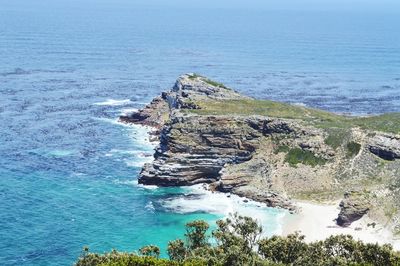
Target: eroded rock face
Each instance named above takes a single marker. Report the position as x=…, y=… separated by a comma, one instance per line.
x=194, y=149
x=353, y=207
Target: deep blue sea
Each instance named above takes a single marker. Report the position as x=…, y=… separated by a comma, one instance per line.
x=68, y=69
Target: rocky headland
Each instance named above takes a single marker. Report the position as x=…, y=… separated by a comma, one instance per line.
x=273, y=152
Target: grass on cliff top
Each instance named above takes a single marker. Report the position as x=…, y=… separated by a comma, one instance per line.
x=208, y=81
x=387, y=122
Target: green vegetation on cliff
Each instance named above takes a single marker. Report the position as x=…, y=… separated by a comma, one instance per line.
x=319, y=118
x=336, y=136
x=238, y=241
x=297, y=155
x=353, y=148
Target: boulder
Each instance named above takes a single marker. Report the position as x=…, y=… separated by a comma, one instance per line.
x=353, y=207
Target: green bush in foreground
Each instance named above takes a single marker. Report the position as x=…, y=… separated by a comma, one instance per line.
x=237, y=241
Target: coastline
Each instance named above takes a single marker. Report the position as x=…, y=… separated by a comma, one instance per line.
x=316, y=222
x=196, y=148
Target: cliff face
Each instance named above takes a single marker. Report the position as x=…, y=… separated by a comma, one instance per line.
x=270, y=151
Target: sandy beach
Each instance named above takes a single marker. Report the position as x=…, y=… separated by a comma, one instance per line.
x=317, y=222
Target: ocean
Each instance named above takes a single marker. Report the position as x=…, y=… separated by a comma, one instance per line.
x=68, y=69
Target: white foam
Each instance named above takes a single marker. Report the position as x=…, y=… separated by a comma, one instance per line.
x=135, y=162
x=113, y=121
x=62, y=153
x=112, y=102
x=134, y=183
x=125, y=182
x=138, y=133
x=300, y=104
x=221, y=204
x=135, y=158
x=78, y=174
x=148, y=187
x=139, y=157
x=127, y=111
x=149, y=206
x=137, y=153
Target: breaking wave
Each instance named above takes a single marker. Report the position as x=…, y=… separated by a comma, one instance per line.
x=112, y=102
x=199, y=200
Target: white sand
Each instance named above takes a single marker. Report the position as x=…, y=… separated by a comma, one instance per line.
x=316, y=222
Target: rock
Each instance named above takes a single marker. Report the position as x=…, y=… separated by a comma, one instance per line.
x=194, y=149
x=353, y=207
x=154, y=114
x=373, y=224
x=386, y=146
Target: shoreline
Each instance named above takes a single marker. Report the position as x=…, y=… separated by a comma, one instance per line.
x=317, y=222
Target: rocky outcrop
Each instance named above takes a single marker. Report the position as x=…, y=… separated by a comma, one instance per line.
x=268, y=158
x=194, y=149
x=187, y=90
x=385, y=146
x=352, y=208
x=154, y=114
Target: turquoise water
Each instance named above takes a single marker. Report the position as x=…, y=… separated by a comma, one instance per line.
x=68, y=68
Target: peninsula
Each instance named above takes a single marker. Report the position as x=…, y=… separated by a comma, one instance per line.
x=273, y=152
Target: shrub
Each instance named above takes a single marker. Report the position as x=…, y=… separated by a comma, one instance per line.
x=115, y=258
x=150, y=250
x=353, y=148
x=287, y=250
x=336, y=137
x=297, y=155
x=281, y=148
x=196, y=234
x=176, y=250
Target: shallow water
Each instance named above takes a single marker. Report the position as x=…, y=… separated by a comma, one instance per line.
x=68, y=170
